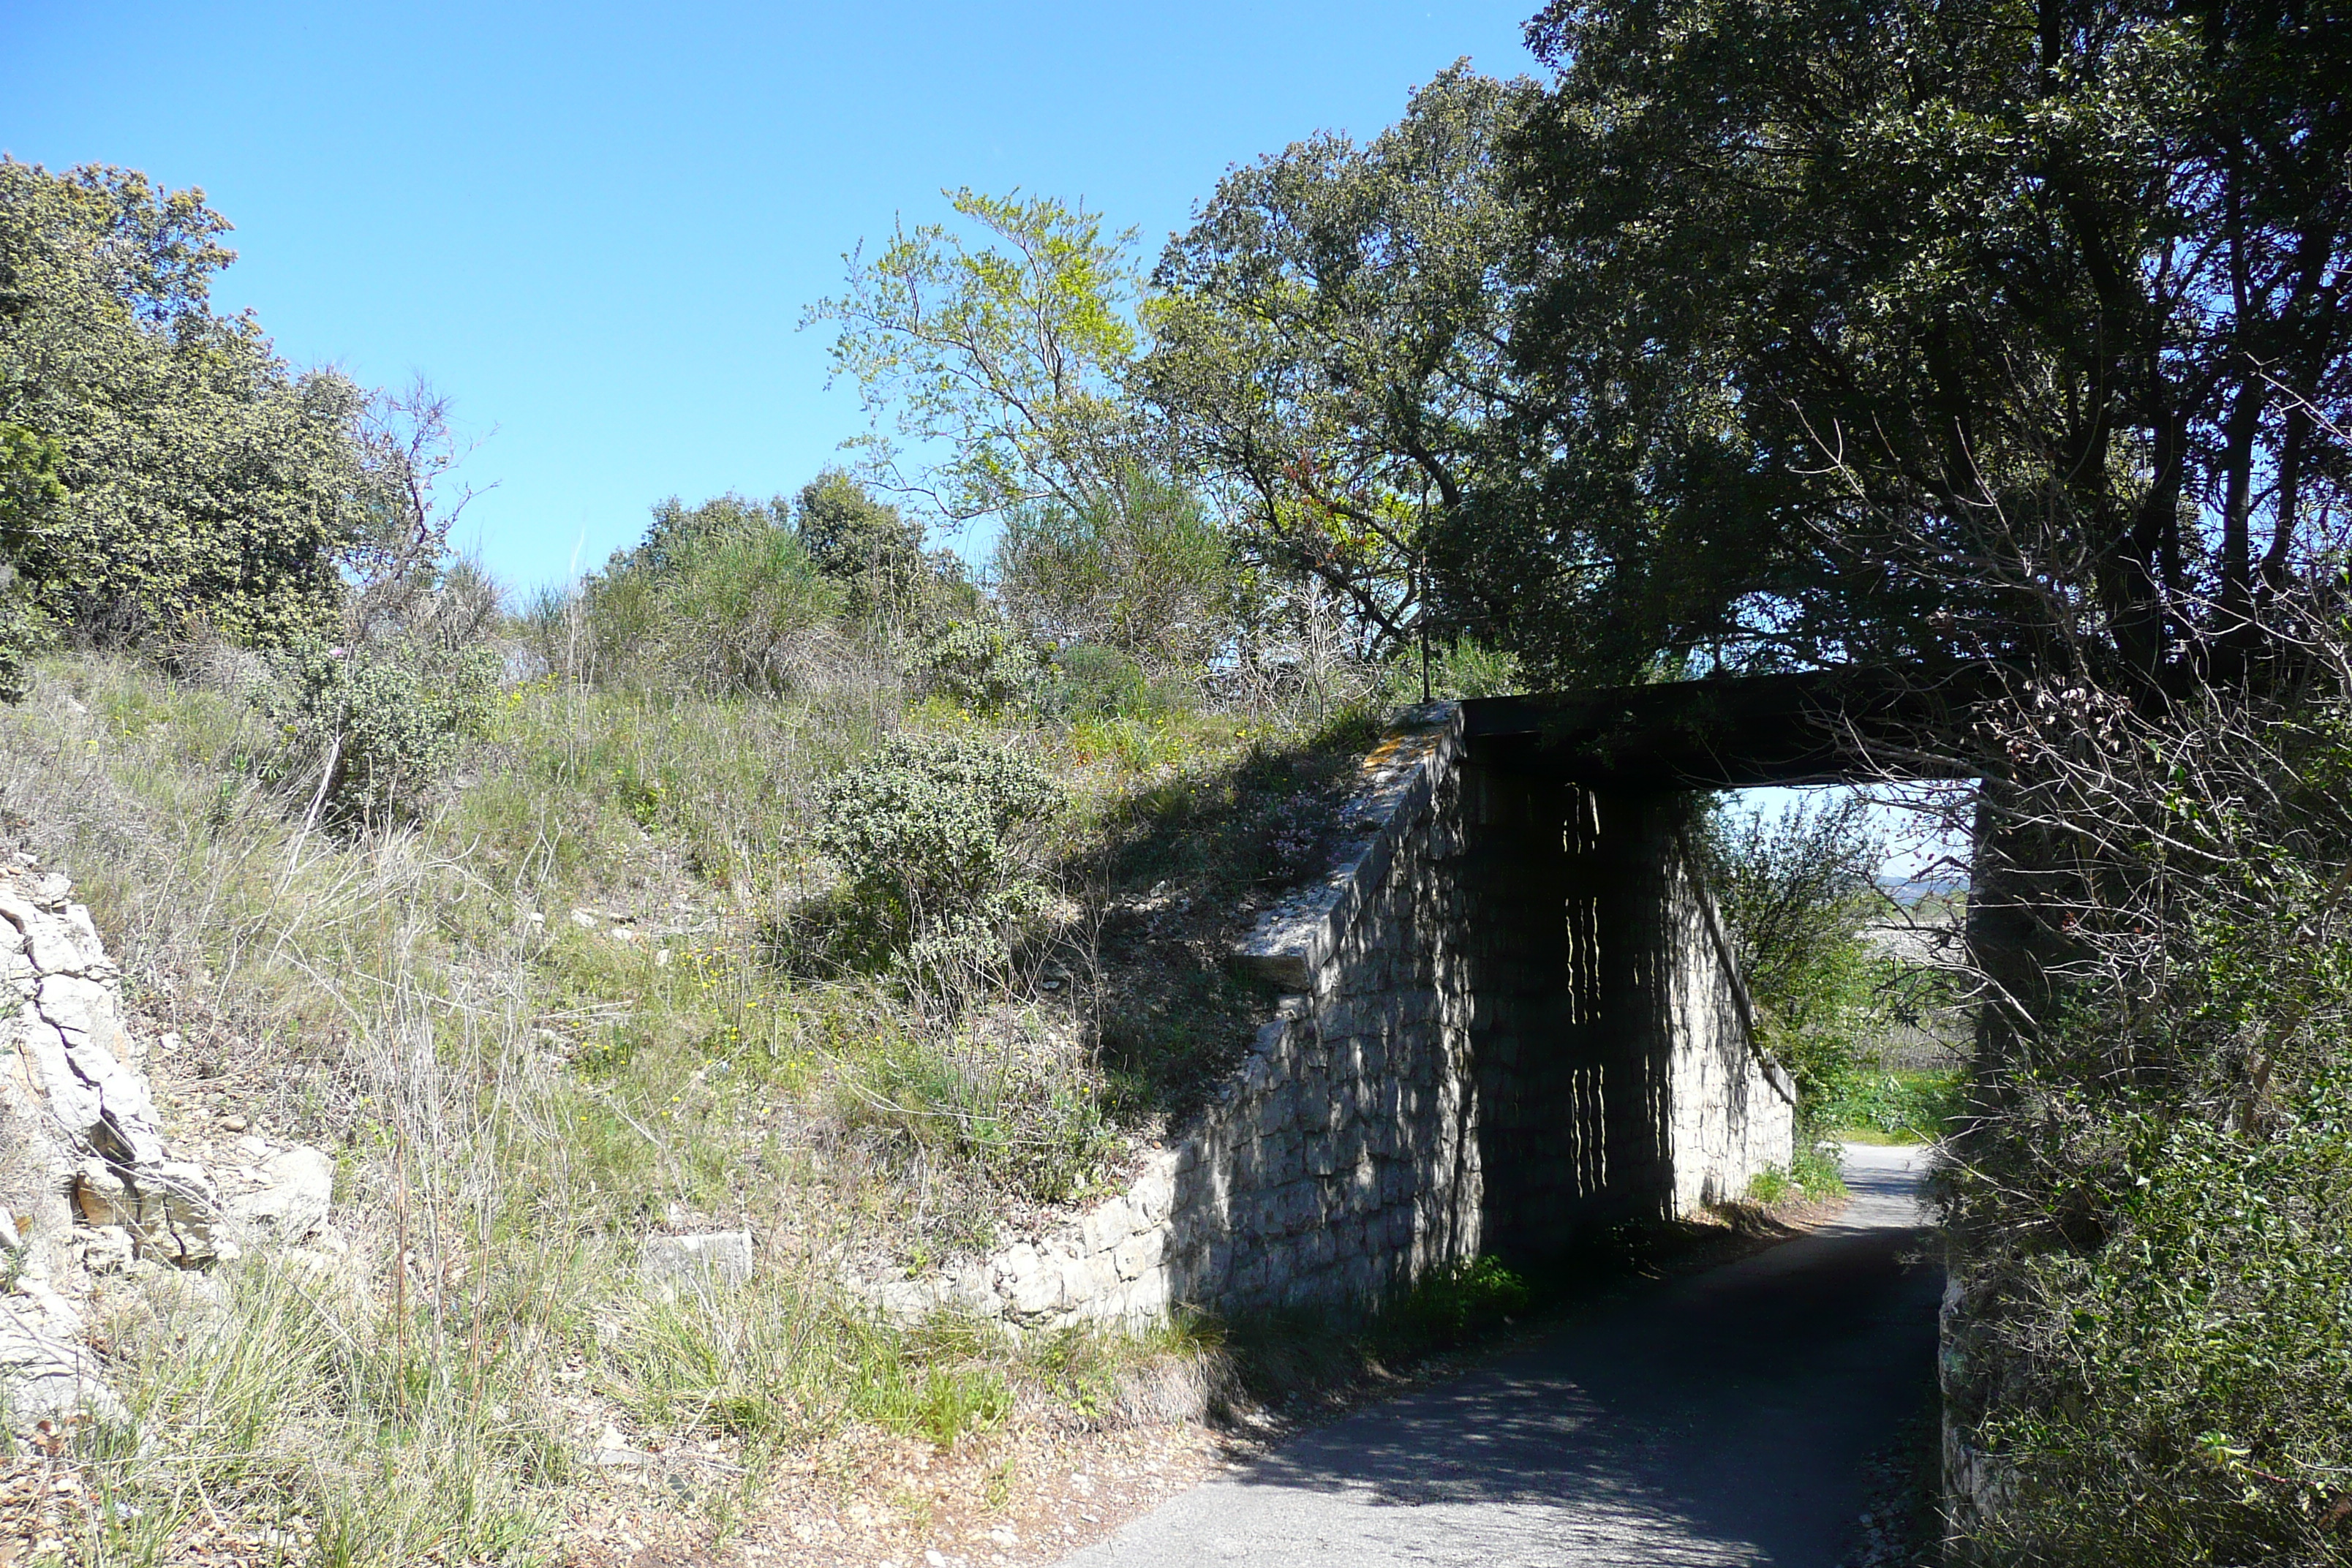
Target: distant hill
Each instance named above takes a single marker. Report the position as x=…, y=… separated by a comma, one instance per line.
x=1910, y=890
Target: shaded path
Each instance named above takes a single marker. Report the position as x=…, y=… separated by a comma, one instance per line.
x=1720, y=1418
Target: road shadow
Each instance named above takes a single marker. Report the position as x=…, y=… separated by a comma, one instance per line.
x=1723, y=1417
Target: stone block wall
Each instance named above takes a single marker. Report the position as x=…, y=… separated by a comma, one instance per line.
x=1735, y=1113
x=1508, y=1016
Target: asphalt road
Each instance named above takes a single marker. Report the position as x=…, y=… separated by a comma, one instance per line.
x=1723, y=1417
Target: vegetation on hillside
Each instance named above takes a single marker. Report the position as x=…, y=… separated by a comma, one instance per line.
x=877, y=973
x=785, y=865
x=775, y=874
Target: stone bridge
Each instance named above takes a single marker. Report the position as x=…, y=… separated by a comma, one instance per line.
x=1509, y=1014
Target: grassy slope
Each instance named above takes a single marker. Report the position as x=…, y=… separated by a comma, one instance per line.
x=518, y=1096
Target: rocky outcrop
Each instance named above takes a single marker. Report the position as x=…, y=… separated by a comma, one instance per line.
x=88, y=1183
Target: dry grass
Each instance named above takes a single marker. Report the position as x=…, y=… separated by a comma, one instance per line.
x=548, y=1020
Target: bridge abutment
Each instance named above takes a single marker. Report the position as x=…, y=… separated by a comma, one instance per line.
x=1509, y=1017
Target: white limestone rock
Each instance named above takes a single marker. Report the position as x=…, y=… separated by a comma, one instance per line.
x=177, y=1209
x=48, y=1376
x=90, y=1187
x=672, y=1263
x=290, y=1205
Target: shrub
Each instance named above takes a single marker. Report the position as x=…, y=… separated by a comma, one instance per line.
x=720, y=597
x=2200, y=1362
x=368, y=729
x=1462, y=668
x=1144, y=570
x=2151, y=1334
x=1893, y=1104
x=1096, y=682
x=977, y=665
x=1470, y=669
x=930, y=835
x=1812, y=1173
x=870, y=549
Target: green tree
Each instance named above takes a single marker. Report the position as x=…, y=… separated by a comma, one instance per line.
x=1928, y=327
x=205, y=481
x=1146, y=572
x=1331, y=341
x=874, y=551
x=1798, y=889
x=1009, y=352
x=29, y=492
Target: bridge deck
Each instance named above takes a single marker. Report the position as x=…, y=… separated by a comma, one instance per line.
x=1732, y=732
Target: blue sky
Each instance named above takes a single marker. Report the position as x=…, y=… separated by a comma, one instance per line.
x=597, y=227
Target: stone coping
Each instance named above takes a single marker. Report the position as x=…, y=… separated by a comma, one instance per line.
x=1292, y=940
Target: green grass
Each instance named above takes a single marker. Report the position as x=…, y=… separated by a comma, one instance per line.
x=1812, y=1175
x=1891, y=1106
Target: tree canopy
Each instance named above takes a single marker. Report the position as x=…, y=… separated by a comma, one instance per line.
x=200, y=477
x=1331, y=341
x=1008, y=350
x=1916, y=328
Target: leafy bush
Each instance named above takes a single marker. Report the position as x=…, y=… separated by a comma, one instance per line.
x=1459, y=668
x=1143, y=569
x=1812, y=1173
x=1095, y=681
x=1468, y=668
x=1797, y=891
x=978, y=665
x=932, y=835
x=24, y=632
x=2200, y=1361
x=873, y=553
x=368, y=729
x=2152, y=1337
x=1893, y=1104
x=720, y=598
